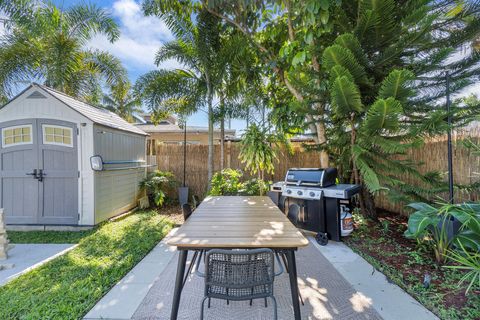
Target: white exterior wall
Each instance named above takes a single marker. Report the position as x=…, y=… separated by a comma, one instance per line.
x=51, y=108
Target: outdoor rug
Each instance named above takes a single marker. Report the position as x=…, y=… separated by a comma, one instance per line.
x=327, y=295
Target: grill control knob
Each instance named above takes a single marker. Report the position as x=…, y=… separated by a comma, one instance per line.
x=289, y=191
x=299, y=192
x=312, y=194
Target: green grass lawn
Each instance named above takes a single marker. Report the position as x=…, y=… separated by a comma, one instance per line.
x=48, y=236
x=70, y=285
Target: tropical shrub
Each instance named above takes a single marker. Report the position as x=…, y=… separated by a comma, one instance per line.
x=259, y=150
x=226, y=183
x=160, y=187
x=229, y=182
x=255, y=187
x=467, y=254
x=434, y=226
x=468, y=261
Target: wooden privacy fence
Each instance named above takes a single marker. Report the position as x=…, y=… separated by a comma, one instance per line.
x=433, y=157
x=170, y=158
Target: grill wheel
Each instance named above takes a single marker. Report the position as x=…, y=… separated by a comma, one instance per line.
x=321, y=238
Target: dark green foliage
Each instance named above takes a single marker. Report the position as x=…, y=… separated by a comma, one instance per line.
x=431, y=225
x=229, y=182
x=226, y=183
x=70, y=285
x=385, y=75
x=255, y=187
x=160, y=186
x=259, y=150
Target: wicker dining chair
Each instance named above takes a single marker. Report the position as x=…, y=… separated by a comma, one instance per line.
x=239, y=275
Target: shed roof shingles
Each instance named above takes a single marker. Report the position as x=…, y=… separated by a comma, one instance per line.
x=99, y=116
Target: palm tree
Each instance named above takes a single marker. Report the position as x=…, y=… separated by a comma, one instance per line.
x=47, y=44
x=122, y=100
x=197, y=48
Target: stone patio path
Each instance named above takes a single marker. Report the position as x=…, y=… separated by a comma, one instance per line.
x=335, y=283
x=25, y=257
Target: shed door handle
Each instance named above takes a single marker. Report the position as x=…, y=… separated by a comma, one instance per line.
x=41, y=175
x=34, y=174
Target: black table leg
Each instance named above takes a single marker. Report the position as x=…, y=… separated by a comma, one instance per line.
x=182, y=261
x=292, y=267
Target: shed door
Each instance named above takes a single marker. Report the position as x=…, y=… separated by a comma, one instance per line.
x=19, y=194
x=59, y=162
x=50, y=148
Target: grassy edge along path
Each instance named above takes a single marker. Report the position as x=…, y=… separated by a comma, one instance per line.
x=49, y=236
x=70, y=285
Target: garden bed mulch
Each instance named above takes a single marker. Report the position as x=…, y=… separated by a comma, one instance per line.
x=407, y=264
x=173, y=212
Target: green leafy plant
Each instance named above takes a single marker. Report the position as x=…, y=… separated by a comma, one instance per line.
x=259, y=150
x=159, y=186
x=226, y=182
x=467, y=254
x=255, y=187
x=468, y=261
x=229, y=182
x=385, y=226
x=435, y=227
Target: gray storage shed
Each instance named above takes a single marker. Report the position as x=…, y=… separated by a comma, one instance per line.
x=47, y=141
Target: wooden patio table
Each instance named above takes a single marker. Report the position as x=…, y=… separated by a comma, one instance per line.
x=246, y=222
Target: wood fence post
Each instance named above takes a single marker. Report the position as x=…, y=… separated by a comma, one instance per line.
x=229, y=154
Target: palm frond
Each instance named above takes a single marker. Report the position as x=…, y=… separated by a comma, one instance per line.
x=86, y=20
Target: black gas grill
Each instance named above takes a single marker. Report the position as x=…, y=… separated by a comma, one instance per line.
x=312, y=200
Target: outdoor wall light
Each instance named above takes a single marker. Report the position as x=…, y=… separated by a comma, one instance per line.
x=96, y=163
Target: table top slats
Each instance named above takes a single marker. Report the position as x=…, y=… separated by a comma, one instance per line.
x=237, y=222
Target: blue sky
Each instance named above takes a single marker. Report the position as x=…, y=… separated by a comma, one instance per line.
x=140, y=39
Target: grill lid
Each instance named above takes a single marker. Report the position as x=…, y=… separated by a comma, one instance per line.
x=314, y=177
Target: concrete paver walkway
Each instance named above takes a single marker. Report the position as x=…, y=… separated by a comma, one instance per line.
x=335, y=283
x=28, y=256
x=123, y=299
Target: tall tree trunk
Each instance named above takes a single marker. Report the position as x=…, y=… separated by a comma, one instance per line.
x=366, y=200
x=319, y=135
x=210, y=132
x=222, y=134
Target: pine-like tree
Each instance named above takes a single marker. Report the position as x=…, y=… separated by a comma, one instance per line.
x=386, y=74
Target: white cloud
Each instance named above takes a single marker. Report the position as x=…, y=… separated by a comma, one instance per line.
x=140, y=38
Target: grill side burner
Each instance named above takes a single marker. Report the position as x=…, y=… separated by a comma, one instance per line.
x=315, y=191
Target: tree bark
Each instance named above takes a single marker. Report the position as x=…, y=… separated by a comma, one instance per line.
x=210, y=130
x=366, y=200
x=222, y=135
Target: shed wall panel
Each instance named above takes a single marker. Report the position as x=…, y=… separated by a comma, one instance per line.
x=117, y=191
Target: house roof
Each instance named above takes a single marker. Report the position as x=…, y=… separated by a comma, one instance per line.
x=96, y=115
x=165, y=128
